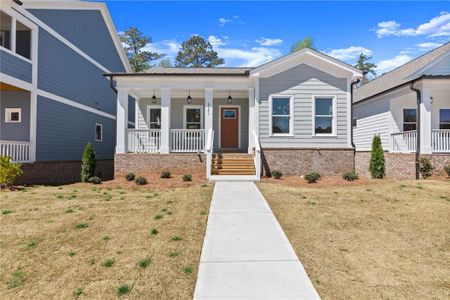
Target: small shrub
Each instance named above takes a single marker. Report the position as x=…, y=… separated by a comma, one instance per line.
x=87, y=163
x=276, y=174
x=157, y=217
x=9, y=171
x=108, y=263
x=141, y=180
x=77, y=293
x=144, y=263
x=377, y=164
x=71, y=253
x=312, y=177
x=350, y=176
x=165, y=174
x=187, y=177
x=187, y=270
x=447, y=169
x=130, y=176
x=106, y=238
x=82, y=225
x=425, y=167
x=123, y=289
x=95, y=180
x=154, y=231
x=6, y=212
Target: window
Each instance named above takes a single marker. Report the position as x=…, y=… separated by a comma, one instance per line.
x=21, y=36
x=444, y=118
x=409, y=119
x=154, y=117
x=13, y=115
x=23, y=40
x=5, y=30
x=98, y=132
x=281, y=115
x=193, y=117
x=324, y=116
x=229, y=114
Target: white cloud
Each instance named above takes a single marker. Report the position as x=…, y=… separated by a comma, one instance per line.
x=428, y=46
x=224, y=21
x=390, y=64
x=350, y=53
x=169, y=47
x=215, y=41
x=269, y=42
x=437, y=26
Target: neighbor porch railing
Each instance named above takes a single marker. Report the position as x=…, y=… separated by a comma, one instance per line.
x=404, y=142
x=144, y=141
x=187, y=140
x=18, y=151
x=440, y=140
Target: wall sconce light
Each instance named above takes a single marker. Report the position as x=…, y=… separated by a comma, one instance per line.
x=229, y=99
x=189, y=98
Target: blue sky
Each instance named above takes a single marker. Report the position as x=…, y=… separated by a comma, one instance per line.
x=252, y=33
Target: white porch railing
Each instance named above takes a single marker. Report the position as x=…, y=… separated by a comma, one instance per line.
x=144, y=141
x=187, y=140
x=18, y=151
x=257, y=155
x=404, y=141
x=209, y=152
x=440, y=140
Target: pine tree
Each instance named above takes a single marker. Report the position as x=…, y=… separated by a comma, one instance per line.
x=377, y=164
x=87, y=163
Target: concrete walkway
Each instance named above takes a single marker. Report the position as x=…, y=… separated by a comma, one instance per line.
x=246, y=254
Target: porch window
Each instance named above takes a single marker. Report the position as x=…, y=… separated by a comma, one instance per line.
x=23, y=40
x=444, y=118
x=409, y=119
x=154, y=117
x=5, y=30
x=281, y=115
x=324, y=116
x=193, y=117
x=98, y=132
x=13, y=115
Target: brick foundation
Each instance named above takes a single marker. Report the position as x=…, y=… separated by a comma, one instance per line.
x=62, y=172
x=302, y=161
x=399, y=165
x=142, y=163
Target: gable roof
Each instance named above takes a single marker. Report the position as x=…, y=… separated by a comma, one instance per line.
x=400, y=75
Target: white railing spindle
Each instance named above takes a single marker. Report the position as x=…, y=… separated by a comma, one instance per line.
x=440, y=140
x=187, y=140
x=18, y=151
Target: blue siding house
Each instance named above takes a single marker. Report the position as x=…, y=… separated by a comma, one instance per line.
x=53, y=97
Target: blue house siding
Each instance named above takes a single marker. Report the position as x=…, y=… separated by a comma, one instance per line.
x=87, y=30
x=65, y=73
x=63, y=131
x=15, y=67
x=15, y=131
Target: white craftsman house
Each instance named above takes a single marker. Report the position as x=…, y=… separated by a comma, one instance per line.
x=293, y=111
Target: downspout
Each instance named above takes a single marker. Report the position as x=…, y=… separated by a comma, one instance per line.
x=418, y=99
x=111, y=84
x=352, y=85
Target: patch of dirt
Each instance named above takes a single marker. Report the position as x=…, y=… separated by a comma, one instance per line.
x=325, y=181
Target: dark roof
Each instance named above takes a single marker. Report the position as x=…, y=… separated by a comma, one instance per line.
x=398, y=76
x=188, y=72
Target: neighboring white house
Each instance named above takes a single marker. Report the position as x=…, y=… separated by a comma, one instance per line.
x=388, y=106
x=294, y=111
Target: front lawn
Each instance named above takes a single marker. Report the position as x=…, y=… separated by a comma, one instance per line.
x=93, y=242
x=381, y=240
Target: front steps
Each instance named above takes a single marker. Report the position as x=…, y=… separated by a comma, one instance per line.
x=233, y=164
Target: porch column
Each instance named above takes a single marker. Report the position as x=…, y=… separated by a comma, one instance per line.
x=165, y=120
x=122, y=120
x=209, y=94
x=251, y=119
x=13, y=33
x=425, y=123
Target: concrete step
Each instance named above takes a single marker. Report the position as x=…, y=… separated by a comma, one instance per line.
x=234, y=167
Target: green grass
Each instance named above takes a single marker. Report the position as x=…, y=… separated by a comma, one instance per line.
x=106, y=238
x=71, y=253
x=108, y=263
x=123, y=289
x=144, y=263
x=69, y=211
x=188, y=270
x=82, y=225
x=176, y=238
x=6, y=212
x=157, y=217
x=16, y=279
x=154, y=231
x=32, y=244
x=173, y=254
x=77, y=293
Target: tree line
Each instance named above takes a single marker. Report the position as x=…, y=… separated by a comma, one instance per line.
x=196, y=52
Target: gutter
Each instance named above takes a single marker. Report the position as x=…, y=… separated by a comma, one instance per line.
x=352, y=85
x=418, y=100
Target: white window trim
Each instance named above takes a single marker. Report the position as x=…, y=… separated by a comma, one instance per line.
x=186, y=107
x=149, y=107
x=291, y=115
x=10, y=110
x=101, y=132
x=403, y=119
x=334, y=116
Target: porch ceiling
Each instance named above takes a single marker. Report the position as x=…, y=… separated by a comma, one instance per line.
x=195, y=93
x=8, y=87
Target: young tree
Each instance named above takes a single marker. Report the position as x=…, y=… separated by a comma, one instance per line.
x=87, y=163
x=197, y=53
x=165, y=63
x=365, y=66
x=308, y=42
x=377, y=164
x=135, y=42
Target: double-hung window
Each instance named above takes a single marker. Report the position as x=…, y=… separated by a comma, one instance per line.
x=154, y=117
x=444, y=118
x=281, y=115
x=324, y=115
x=98, y=132
x=193, y=118
x=409, y=119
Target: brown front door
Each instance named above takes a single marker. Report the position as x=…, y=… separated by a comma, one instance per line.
x=229, y=127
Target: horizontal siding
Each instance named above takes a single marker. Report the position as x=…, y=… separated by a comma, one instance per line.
x=15, y=131
x=63, y=131
x=65, y=73
x=15, y=67
x=373, y=118
x=87, y=30
x=303, y=82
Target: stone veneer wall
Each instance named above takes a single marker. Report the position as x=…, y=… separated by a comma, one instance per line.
x=154, y=162
x=302, y=161
x=399, y=165
x=62, y=172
